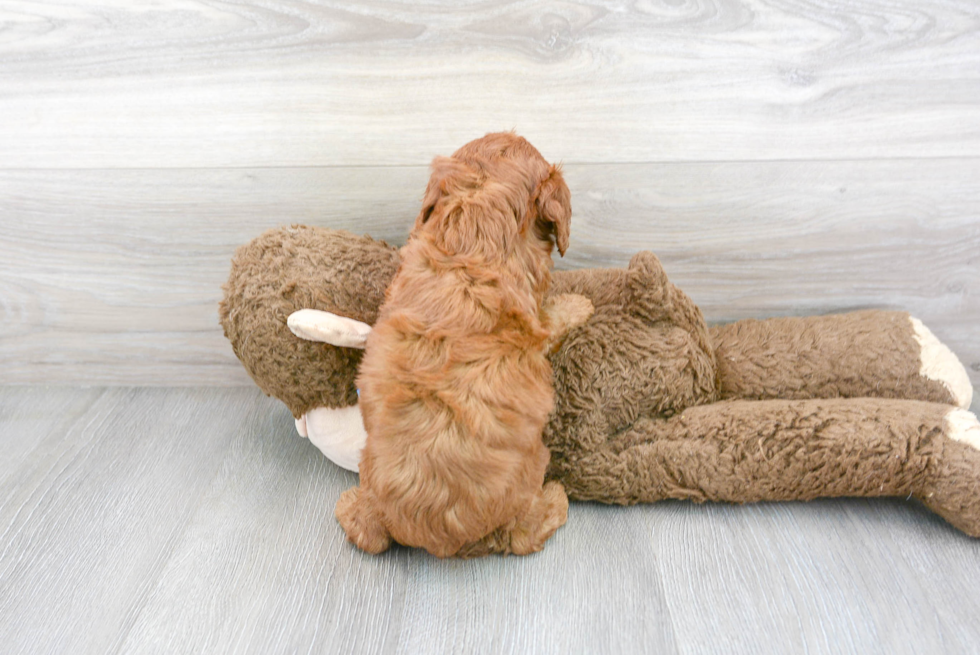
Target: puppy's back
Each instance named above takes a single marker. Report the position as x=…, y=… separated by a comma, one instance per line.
x=455, y=391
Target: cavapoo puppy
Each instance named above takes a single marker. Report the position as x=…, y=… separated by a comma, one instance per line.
x=455, y=381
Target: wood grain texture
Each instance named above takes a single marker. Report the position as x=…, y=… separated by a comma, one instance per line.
x=798, y=238
x=203, y=83
x=195, y=520
x=114, y=276
x=94, y=510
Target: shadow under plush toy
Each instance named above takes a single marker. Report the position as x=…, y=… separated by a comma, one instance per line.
x=650, y=403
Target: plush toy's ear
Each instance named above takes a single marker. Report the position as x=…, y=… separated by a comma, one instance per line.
x=315, y=325
x=445, y=171
x=554, y=204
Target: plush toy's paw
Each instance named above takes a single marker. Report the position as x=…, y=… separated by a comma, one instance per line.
x=316, y=325
x=361, y=522
x=941, y=364
x=961, y=425
x=338, y=433
x=954, y=490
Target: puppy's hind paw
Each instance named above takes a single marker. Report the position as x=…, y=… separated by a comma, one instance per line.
x=556, y=502
x=361, y=522
x=548, y=513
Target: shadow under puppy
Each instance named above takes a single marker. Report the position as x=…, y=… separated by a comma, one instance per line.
x=456, y=387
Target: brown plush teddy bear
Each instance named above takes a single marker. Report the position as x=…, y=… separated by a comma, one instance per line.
x=650, y=402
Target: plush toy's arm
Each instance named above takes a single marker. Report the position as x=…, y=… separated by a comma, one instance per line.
x=747, y=451
x=338, y=433
x=868, y=353
x=316, y=325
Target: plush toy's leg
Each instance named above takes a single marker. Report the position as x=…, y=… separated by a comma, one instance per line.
x=361, y=520
x=868, y=353
x=747, y=451
x=338, y=433
x=528, y=533
x=954, y=493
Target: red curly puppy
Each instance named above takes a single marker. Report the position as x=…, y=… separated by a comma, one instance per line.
x=455, y=382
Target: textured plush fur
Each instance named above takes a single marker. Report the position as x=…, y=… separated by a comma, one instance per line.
x=650, y=403
x=271, y=278
x=455, y=383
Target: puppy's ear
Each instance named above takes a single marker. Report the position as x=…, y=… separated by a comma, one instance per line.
x=554, y=204
x=444, y=170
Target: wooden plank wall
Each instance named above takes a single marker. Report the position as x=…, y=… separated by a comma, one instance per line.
x=781, y=156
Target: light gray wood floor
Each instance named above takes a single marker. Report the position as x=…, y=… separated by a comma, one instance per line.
x=140, y=520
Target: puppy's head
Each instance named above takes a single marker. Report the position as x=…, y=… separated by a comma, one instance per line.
x=493, y=191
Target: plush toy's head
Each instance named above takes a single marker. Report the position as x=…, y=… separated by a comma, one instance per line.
x=271, y=278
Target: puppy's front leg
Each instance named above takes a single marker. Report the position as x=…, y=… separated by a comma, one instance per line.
x=361, y=520
x=564, y=312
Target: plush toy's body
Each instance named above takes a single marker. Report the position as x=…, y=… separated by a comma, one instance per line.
x=649, y=402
